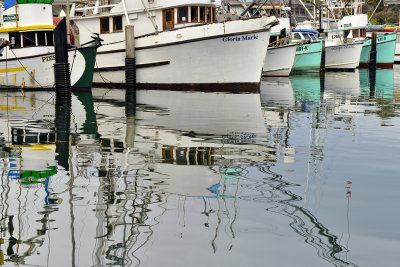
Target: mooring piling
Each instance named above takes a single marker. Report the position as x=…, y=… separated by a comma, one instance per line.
x=63, y=94
x=130, y=70
x=372, y=53
x=62, y=76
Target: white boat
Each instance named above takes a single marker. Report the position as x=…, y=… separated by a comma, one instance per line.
x=397, y=50
x=345, y=56
x=279, y=60
x=28, y=59
x=280, y=54
x=339, y=54
x=177, y=45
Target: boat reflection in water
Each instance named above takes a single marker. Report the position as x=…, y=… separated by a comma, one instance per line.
x=185, y=172
x=291, y=98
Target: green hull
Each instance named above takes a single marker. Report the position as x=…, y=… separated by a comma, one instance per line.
x=385, y=50
x=306, y=91
x=308, y=57
x=382, y=88
x=89, y=53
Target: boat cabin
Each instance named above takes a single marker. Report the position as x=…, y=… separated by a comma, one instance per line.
x=27, y=23
x=147, y=17
x=302, y=35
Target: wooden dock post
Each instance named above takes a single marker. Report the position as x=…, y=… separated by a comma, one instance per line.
x=130, y=70
x=323, y=65
x=62, y=76
x=62, y=80
x=373, y=53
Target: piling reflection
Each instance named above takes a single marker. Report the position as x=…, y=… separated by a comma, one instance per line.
x=114, y=184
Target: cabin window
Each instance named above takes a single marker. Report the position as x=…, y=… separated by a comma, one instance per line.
x=208, y=14
x=202, y=14
x=273, y=40
x=297, y=36
x=182, y=14
x=306, y=36
x=363, y=32
x=15, y=39
x=193, y=14
x=313, y=37
x=168, y=19
x=104, y=25
x=29, y=39
x=214, y=13
x=117, y=24
x=346, y=33
x=181, y=156
x=41, y=37
x=49, y=38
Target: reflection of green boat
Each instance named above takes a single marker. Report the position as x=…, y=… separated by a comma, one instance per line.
x=381, y=88
x=33, y=177
x=308, y=57
x=385, y=50
x=307, y=91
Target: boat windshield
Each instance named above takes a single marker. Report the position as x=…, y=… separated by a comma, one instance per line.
x=306, y=36
x=313, y=37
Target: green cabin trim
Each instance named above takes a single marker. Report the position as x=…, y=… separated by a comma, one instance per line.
x=34, y=1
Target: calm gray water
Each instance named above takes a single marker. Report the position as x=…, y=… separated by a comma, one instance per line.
x=306, y=173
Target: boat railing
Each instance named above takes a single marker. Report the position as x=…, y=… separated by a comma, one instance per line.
x=89, y=8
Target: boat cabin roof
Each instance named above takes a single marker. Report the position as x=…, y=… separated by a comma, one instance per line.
x=306, y=31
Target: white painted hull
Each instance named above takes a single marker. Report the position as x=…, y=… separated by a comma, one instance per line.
x=345, y=56
x=397, y=53
x=34, y=67
x=279, y=61
x=208, y=55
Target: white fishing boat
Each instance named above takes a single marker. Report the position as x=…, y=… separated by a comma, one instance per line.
x=280, y=54
x=345, y=56
x=397, y=51
x=177, y=43
x=28, y=58
x=340, y=53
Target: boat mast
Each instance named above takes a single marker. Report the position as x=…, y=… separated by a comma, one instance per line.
x=308, y=11
x=128, y=22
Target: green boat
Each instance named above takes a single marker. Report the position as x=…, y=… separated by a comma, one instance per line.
x=308, y=57
x=309, y=51
x=385, y=51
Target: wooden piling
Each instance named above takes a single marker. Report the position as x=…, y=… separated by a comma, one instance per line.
x=373, y=53
x=62, y=76
x=130, y=70
x=63, y=94
x=323, y=67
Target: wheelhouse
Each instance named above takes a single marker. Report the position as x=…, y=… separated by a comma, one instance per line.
x=301, y=35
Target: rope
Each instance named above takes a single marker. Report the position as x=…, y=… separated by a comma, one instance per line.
x=302, y=54
x=73, y=61
x=104, y=79
x=25, y=69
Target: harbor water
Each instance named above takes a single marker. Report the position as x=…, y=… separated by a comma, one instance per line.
x=304, y=173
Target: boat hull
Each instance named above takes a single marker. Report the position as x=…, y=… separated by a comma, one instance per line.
x=279, y=61
x=33, y=67
x=308, y=58
x=343, y=57
x=397, y=50
x=385, y=51
x=202, y=57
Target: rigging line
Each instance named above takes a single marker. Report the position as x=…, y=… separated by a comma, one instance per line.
x=106, y=81
x=73, y=61
x=19, y=202
x=26, y=70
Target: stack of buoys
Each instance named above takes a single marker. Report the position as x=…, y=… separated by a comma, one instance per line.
x=382, y=28
x=391, y=28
